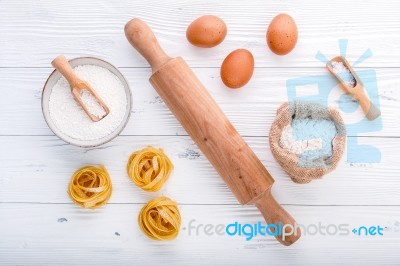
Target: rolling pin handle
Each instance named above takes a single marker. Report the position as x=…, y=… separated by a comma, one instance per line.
x=142, y=38
x=273, y=213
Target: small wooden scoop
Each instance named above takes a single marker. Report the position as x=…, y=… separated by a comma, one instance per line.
x=358, y=91
x=78, y=87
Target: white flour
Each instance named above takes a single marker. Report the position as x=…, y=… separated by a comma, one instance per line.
x=91, y=103
x=309, y=138
x=296, y=146
x=69, y=117
x=344, y=73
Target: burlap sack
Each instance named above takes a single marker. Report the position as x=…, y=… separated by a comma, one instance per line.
x=290, y=161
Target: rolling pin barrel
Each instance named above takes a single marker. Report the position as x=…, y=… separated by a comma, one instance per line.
x=205, y=122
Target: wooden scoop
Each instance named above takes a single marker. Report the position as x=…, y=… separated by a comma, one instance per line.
x=216, y=137
x=78, y=87
x=357, y=92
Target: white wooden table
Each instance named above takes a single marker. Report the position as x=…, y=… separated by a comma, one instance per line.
x=39, y=224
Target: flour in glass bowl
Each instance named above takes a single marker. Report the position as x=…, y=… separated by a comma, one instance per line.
x=69, y=117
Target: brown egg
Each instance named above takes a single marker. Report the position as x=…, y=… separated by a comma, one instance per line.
x=206, y=31
x=282, y=34
x=237, y=68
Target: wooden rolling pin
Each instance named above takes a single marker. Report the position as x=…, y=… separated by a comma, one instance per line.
x=204, y=121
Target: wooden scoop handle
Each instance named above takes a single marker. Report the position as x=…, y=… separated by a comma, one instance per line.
x=274, y=213
x=142, y=38
x=369, y=109
x=62, y=65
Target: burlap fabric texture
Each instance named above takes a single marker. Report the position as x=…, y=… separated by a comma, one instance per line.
x=290, y=162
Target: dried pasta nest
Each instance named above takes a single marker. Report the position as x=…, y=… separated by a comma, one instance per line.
x=160, y=219
x=90, y=187
x=149, y=168
x=298, y=170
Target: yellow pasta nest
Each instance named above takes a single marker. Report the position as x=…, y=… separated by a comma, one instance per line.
x=149, y=168
x=160, y=219
x=90, y=187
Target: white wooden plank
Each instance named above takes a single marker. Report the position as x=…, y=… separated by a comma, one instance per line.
x=251, y=109
x=42, y=234
x=38, y=169
x=35, y=32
